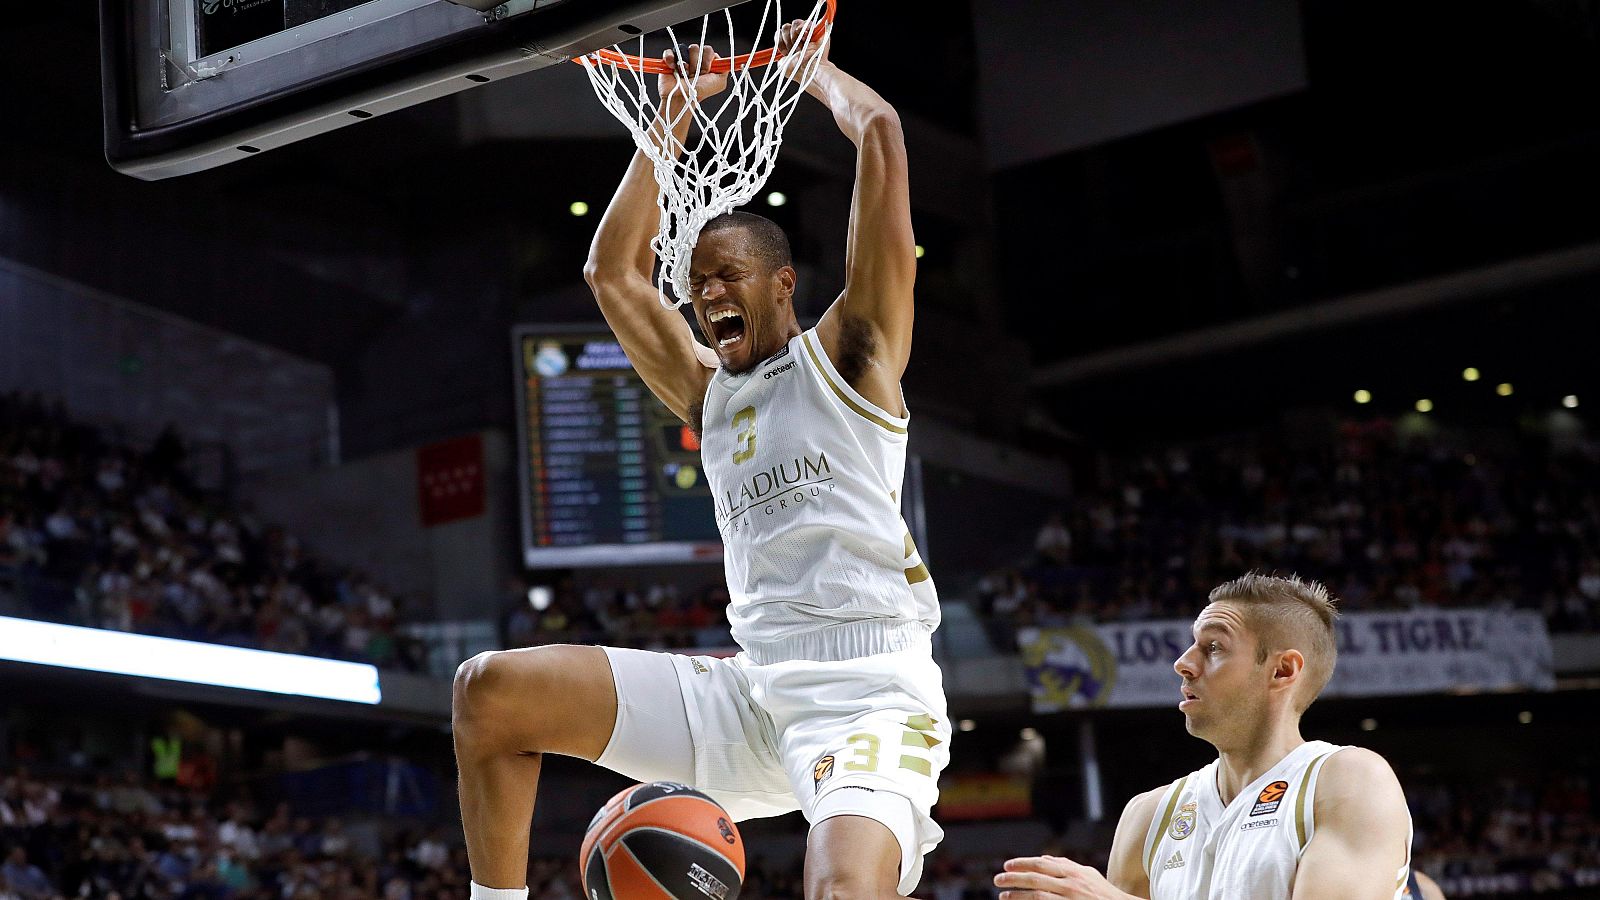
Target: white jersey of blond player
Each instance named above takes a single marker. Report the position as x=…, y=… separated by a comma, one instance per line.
x=1199, y=849
x=806, y=476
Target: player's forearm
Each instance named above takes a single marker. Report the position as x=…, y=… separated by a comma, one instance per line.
x=621, y=244
x=859, y=111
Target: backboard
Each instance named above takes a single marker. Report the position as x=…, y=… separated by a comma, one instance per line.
x=193, y=84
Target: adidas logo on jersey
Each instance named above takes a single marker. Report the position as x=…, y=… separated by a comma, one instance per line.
x=1176, y=862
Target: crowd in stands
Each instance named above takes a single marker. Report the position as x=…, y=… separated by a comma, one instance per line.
x=100, y=534
x=1512, y=834
x=659, y=616
x=87, y=836
x=97, y=533
x=1389, y=520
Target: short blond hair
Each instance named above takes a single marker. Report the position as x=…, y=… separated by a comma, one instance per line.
x=1286, y=612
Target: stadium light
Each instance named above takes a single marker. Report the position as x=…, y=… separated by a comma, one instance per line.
x=777, y=198
x=1503, y=389
x=1424, y=405
x=920, y=251
x=967, y=725
x=1525, y=717
x=579, y=208
x=1363, y=396
x=1470, y=374
x=1570, y=401
x=147, y=656
x=1369, y=724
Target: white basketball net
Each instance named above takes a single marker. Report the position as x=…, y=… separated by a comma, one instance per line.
x=731, y=147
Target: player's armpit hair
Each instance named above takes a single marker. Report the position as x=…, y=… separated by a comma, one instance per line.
x=697, y=415
x=857, y=345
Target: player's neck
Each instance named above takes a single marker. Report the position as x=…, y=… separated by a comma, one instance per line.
x=1240, y=764
x=790, y=332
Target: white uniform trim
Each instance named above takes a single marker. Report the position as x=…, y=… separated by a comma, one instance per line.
x=848, y=395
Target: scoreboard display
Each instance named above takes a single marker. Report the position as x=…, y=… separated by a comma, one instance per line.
x=609, y=476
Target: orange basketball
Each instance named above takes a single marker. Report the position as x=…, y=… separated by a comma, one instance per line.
x=662, y=841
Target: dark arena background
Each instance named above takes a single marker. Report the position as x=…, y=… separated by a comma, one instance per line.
x=1203, y=289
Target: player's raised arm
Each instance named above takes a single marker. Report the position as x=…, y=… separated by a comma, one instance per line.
x=880, y=258
x=657, y=340
x=1359, y=846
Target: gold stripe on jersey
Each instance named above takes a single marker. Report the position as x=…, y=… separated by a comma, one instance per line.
x=859, y=410
x=1300, y=800
x=1166, y=821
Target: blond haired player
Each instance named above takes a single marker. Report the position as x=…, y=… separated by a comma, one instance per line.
x=1275, y=816
x=834, y=706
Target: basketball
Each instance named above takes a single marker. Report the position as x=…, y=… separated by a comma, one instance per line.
x=661, y=840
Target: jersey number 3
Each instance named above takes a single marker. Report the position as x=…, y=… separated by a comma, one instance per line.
x=744, y=428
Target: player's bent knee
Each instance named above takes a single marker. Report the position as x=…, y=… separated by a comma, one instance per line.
x=558, y=699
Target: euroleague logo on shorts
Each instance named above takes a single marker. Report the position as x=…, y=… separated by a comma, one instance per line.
x=1269, y=799
x=821, y=771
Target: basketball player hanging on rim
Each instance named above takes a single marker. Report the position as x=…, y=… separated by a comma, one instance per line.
x=834, y=706
x=1276, y=816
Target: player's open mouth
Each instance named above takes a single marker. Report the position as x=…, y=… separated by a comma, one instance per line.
x=1188, y=698
x=727, y=327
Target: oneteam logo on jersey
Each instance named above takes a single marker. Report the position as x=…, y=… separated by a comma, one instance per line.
x=1253, y=824
x=779, y=370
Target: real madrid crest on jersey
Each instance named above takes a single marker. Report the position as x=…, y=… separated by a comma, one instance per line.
x=1183, y=822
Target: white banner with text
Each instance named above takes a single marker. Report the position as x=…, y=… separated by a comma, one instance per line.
x=1129, y=664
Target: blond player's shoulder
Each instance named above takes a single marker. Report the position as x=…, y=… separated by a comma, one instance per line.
x=1126, y=869
x=1430, y=888
x=1355, y=767
x=1357, y=784
x=1141, y=809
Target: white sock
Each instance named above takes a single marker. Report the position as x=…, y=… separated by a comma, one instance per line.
x=479, y=892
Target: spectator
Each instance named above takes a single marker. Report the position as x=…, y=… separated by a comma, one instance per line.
x=23, y=878
x=1054, y=542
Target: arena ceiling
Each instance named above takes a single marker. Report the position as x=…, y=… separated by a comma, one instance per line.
x=1388, y=144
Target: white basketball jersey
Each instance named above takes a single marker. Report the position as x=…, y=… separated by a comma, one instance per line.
x=806, y=474
x=1199, y=849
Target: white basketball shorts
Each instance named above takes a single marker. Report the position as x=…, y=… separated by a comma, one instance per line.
x=865, y=737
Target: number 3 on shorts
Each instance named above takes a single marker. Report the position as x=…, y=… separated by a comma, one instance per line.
x=864, y=753
x=864, y=747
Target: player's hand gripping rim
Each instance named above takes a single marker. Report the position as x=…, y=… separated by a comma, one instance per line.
x=792, y=63
x=694, y=68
